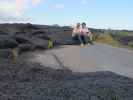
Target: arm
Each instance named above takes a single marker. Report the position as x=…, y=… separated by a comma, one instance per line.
x=88, y=32
x=73, y=32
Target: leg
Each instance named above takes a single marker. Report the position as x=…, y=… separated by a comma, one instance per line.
x=85, y=39
x=76, y=40
x=80, y=39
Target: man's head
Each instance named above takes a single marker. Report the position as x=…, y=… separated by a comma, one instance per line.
x=83, y=25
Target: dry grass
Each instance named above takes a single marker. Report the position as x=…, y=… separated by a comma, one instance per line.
x=107, y=39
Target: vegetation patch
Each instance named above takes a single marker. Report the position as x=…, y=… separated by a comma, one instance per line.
x=130, y=44
x=118, y=39
x=108, y=39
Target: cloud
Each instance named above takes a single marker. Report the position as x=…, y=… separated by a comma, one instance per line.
x=84, y=2
x=9, y=8
x=16, y=7
x=59, y=6
x=36, y=2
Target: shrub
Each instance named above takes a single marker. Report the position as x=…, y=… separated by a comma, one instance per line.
x=118, y=35
x=50, y=44
x=122, y=34
x=130, y=44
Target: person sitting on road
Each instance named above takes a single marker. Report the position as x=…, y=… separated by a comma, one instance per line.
x=85, y=32
x=76, y=35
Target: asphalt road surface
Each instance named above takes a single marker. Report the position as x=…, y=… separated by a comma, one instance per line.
x=97, y=57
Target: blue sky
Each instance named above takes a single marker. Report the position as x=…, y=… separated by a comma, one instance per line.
x=115, y=14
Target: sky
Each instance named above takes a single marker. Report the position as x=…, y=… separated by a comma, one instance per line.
x=109, y=14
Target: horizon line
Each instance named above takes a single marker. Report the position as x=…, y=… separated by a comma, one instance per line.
x=71, y=25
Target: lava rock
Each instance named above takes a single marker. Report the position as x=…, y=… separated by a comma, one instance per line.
x=31, y=81
x=25, y=47
x=7, y=42
x=5, y=53
x=21, y=39
x=39, y=43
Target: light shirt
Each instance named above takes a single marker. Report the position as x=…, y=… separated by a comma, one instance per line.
x=85, y=31
x=76, y=31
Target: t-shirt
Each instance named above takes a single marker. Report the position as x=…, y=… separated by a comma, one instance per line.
x=76, y=31
x=85, y=31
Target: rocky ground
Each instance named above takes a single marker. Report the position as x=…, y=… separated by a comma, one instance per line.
x=23, y=80
x=31, y=81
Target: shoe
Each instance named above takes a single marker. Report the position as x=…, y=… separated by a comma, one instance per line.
x=88, y=44
x=81, y=45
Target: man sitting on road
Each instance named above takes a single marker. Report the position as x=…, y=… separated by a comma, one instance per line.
x=86, y=33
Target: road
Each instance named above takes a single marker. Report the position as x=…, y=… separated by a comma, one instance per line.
x=97, y=57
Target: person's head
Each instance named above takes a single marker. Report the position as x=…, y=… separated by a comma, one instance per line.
x=83, y=25
x=78, y=25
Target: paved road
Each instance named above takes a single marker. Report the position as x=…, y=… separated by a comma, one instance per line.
x=99, y=57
